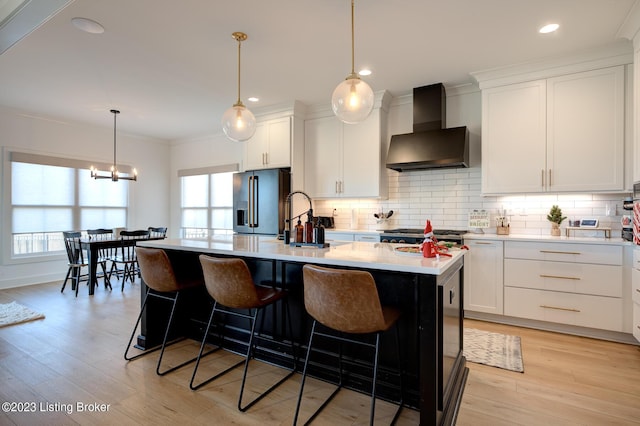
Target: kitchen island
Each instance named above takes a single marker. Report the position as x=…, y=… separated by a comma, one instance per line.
x=427, y=291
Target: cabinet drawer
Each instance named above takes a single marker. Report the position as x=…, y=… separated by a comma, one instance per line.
x=564, y=252
x=581, y=278
x=566, y=308
x=636, y=257
x=635, y=285
x=338, y=236
x=372, y=238
x=636, y=321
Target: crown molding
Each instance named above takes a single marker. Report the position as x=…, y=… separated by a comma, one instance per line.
x=619, y=53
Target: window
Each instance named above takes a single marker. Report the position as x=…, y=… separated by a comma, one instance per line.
x=207, y=201
x=49, y=195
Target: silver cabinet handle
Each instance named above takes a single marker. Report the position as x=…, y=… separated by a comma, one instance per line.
x=559, y=252
x=559, y=308
x=542, y=178
x=481, y=243
x=559, y=277
x=337, y=190
x=549, y=183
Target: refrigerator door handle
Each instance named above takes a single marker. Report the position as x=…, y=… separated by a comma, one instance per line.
x=250, y=203
x=253, y=201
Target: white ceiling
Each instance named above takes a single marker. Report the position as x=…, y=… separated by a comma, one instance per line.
x=171, y=66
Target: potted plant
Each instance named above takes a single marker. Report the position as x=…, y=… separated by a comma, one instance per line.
x=556, y=218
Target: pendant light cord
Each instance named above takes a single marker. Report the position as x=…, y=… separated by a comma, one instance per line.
x=115, y=114
x=353, y=71
x=239, y=44
x=239, y=37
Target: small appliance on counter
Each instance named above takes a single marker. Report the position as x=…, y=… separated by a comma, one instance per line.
x=326, y=221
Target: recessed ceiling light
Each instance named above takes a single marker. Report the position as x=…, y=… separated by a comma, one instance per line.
x=253, y=99
x=364, y=72
x=549, y=28
x=87, y=25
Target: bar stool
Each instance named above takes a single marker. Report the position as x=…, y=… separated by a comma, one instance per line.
x=158, y=274
x=230, y=284
x=346, y=301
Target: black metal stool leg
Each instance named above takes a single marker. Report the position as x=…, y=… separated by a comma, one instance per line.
x=200, y=355
x=400, y=373
x=304, y=373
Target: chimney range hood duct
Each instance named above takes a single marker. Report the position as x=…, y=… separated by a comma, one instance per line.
x=430, y=145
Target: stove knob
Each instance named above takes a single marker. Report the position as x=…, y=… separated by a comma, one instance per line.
x=402, y=241
x=394, y=240
x=385, y=240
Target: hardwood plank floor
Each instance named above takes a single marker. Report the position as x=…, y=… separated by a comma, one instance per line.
x=74, y=356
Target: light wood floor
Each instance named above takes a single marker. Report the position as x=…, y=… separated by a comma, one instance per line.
x=74, y=356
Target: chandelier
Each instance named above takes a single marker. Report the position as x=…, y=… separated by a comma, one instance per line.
x=113, y=175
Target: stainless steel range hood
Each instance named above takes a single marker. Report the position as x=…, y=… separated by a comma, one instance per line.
x=430, y=145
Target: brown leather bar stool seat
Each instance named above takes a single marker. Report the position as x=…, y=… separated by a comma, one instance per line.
x=229, y=282
x=347, y=301
x=162, y=283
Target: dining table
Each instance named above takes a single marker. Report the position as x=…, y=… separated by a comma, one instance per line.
x=93, y=247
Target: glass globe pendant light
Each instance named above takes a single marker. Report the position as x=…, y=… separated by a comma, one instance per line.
x=352, y=100
x=238, y=123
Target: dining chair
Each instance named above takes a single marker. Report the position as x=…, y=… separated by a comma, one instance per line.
x=126, y=256
x=76, y=261
x=104, y=254
x=160, y=232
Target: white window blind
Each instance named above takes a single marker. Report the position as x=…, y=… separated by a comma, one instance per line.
x=207, y=201
x=49, y=195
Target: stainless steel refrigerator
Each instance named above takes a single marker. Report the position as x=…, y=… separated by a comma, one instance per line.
x=259, y=199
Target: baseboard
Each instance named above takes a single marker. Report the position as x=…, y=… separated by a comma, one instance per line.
x=593, y=333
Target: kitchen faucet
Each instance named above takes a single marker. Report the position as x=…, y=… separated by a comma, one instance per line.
x=308, y=212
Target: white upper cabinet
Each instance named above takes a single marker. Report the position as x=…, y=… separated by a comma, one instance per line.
x=560, y=134
x=270, y=146
x=514, y=137
x=346, y=160
x=585, y=131
x=322, y=156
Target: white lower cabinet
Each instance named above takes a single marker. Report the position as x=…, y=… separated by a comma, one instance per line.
x=483, y=277
x=635, y=296
x=338, y=236
x=565, y=308
x=574, y=284
x=351, y=236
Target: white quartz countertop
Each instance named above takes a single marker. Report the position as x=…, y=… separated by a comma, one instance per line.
x=548, y=238
x=366, y=255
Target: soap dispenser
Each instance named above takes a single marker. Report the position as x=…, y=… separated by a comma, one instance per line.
x=299, y=232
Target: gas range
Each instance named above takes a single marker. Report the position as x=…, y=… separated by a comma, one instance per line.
x=416, y=235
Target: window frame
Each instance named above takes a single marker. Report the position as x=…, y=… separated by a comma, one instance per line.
x=10, y=155
x=208, y=171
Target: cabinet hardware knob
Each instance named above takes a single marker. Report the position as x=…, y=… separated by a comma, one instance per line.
x=559, y=277
x=559, y=252
x=559, y=308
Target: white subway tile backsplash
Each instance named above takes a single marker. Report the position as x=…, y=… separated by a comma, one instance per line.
x=447, y=196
